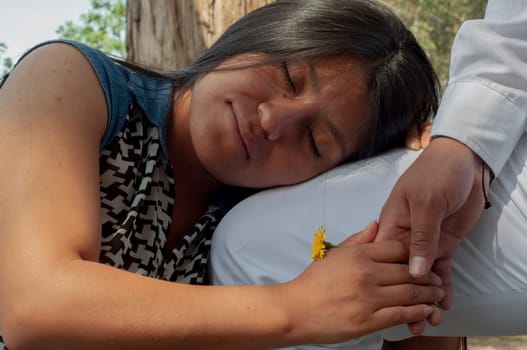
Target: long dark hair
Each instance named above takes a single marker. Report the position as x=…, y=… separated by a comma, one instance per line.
x=403, y=87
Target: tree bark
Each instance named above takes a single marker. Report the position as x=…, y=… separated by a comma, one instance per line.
x=169, y=34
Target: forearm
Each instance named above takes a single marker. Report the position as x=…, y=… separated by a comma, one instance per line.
x=87, y=305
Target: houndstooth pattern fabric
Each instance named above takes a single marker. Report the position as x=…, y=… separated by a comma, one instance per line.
x=137, y=199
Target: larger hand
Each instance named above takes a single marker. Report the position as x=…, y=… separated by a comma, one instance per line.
x=433, y=206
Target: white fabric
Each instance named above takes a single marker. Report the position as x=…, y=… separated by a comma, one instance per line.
x=485, y=103
x=267, y=239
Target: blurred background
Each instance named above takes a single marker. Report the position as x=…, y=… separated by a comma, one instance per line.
x=170, y=33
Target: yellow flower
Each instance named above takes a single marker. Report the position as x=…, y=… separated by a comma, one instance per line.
x=320, y=245
x=318, y=249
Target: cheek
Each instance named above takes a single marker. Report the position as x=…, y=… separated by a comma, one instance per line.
x=290, y=165
x=203, y=91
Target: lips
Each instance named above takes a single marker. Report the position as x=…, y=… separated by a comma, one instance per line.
x=238, y=133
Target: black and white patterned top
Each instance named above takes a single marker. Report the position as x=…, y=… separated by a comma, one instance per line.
x=137, y=196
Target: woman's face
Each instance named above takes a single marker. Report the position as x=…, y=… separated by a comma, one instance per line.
x=272, y=125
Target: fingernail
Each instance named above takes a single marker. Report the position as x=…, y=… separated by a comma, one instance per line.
x=428, y=310
x=440, y=294
x=436, y=280
x=415, y=145
x=417, y=266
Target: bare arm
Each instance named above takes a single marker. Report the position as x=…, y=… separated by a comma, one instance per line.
x=54, y=294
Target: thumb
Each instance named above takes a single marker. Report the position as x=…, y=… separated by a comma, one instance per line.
x=365, y=236
x=424, y=240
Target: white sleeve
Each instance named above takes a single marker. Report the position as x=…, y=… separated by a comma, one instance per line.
x=485, y=103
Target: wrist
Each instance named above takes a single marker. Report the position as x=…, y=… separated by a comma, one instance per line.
x=482, y=173
x=452, y=147
x=297, y=329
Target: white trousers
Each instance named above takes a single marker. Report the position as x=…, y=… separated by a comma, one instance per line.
x=267, y=239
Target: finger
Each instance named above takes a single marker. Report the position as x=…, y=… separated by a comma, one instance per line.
x=413, y=138
x=393, y=274
x=417, y=328
x=387, y=251
x=424, y=237
x=435, y=317
x=443, y=267
x=426, y=129
x=365, y=236
x=396, y=315
x=409, y=294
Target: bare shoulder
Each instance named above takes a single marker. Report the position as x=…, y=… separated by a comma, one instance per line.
x=55, y=77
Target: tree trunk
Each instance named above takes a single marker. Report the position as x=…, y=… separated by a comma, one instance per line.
x=169, y=34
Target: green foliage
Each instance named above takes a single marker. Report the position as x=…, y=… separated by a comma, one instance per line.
x=102, y=27
x=6, y=63
x=435, y=23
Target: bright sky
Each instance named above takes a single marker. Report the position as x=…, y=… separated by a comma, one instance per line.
x=24, y=23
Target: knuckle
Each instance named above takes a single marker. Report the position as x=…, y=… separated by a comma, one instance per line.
x=397, y=316
x=421, y=240
x=412, y=292
x=360, y=320
x=420, y=236
x=364, y=278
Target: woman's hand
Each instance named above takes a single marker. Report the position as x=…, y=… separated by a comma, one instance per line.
x=361, y=287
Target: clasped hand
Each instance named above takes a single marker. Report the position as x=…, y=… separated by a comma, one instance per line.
x=361, y=287
x=433, y=206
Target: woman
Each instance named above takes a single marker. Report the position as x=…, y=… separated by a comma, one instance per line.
x=105, y=199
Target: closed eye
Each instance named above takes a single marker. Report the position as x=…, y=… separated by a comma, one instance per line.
x=313, y=143
x=285, y=70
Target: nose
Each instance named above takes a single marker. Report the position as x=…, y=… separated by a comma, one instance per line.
x=278, y=116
